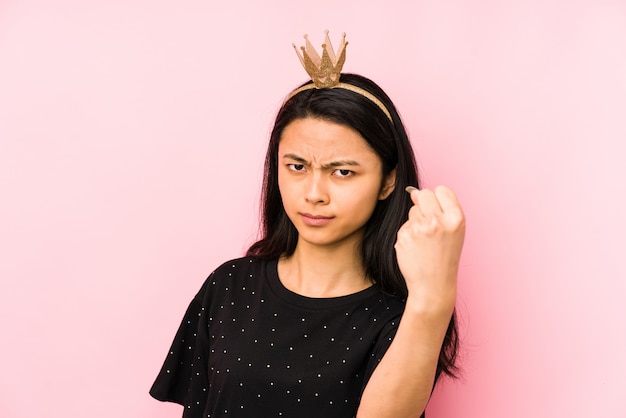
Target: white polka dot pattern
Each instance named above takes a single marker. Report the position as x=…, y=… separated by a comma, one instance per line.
x=249, y=347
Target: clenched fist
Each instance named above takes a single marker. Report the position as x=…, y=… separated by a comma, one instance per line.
x=428, y=249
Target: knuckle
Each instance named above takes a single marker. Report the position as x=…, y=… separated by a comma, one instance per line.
x=413, y=212
x=455, y=218
x=402, y=233
x=425, y=193
x=433, y=227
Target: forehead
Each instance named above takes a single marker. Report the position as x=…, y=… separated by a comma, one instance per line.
x=322, y=141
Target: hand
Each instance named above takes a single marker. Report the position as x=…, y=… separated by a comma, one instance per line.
x=428, y=248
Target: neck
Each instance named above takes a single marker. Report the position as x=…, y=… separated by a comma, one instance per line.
x=318, y=271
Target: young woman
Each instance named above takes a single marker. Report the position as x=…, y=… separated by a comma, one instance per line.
x=345, y=305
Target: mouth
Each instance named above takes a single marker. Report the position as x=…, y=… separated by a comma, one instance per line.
x=315, y=220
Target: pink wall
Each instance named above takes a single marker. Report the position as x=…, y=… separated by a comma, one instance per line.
x=131, y=144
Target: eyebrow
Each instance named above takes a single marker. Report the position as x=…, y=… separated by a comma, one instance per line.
x=331, y=164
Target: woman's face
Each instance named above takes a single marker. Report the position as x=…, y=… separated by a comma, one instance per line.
x=330, y=181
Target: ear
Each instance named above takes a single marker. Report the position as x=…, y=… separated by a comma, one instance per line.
x=389, y=184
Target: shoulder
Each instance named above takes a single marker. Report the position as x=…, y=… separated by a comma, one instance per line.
x=237, y=270
x=239, y=266
x=389, y=307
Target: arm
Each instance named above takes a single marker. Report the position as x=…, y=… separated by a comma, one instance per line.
x=428, y=249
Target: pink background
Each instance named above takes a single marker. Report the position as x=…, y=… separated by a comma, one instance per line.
x=132, y=139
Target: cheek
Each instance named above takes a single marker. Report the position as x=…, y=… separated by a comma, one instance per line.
x=364, y=198
x=286, y=189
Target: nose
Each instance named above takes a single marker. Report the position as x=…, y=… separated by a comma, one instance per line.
x=316, y=189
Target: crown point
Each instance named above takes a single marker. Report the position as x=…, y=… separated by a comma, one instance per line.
x=325, y=71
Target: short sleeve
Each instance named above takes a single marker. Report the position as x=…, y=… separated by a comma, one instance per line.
x=380, y=348
x=183, y=377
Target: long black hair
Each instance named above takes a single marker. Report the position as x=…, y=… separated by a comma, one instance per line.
x=389, y=140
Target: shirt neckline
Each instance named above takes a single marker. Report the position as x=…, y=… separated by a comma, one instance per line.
x=311, y=303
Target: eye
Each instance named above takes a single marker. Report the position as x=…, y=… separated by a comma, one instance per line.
x=343, y=173
x=296, y=167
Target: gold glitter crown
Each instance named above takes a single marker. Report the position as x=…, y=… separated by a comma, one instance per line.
x=324, y=70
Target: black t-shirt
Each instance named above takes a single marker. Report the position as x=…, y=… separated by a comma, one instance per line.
x=249, y=347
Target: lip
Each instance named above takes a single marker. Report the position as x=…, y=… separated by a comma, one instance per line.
x=315, y=220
